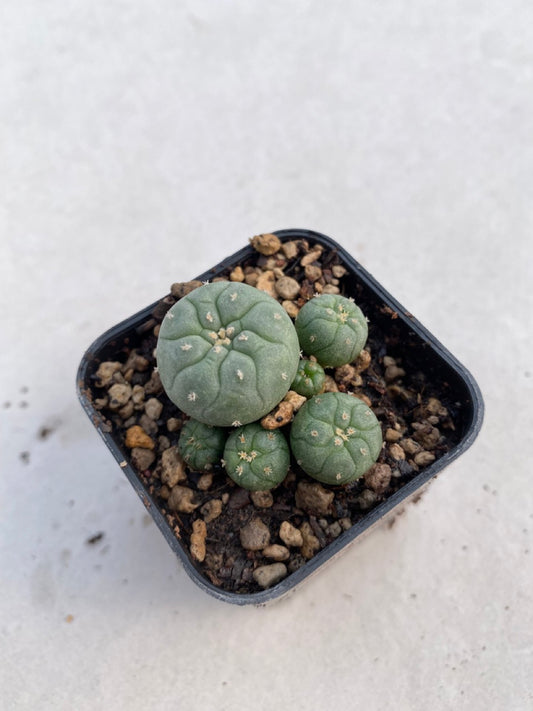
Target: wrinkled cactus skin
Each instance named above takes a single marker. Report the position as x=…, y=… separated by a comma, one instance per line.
x=255, y=458
x=332, y=328
x=309, y=378
x=227, y=353
x=201, y=445
x=335, y=438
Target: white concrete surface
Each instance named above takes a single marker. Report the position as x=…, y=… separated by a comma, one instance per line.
x=139, y=144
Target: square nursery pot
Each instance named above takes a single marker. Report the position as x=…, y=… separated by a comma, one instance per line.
x=429, y=406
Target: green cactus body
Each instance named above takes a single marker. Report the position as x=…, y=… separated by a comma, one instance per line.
x=255, y=458
x=201, y=445
x=227, y=353
x=335, y=438
x=332, y=328
x=309, y=378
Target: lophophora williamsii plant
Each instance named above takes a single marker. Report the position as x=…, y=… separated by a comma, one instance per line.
x=228, y=354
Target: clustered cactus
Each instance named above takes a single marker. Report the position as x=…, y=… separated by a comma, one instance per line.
x=228, y=353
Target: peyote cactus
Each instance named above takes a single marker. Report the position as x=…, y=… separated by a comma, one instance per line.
x=227, y=353
x=309, y=378
x=335, y=438
x=255, y=458
x=332, y=328
x=201, y=445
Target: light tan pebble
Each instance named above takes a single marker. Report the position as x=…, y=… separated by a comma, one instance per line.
x=330, y=386
x=126, y=411
x=313, y=272
x=362, y=361
x=313, y=498
x=251, y=275
x=267, y=575
x=237, y=274
x=291, y=308
x=136, y=362
x=182, y=288
x=388, y=361
x=422, y=459
x=426, y=434
x=345, y=523
x=100, y=403
x=290, y=249
x=287, y=288
x=163, y=443
x=137, y=396
x=396, y=452
x=266, y=244
x=266, y=283
x=142, y=458
x=153, y=408
x=319, y=288
x=311, y=256
x=378, y=477
x=255, y=535
x=182, y=499
x=262, y=499
x=409, y=446
x=295, y=400
x=164, y=492
x=174, y=424
x=148, y=425
x=105, y=372
x=334, y=530
x=172, y=467
x=331, y=289
x=205, y=482
x=137, y=437
x=128, y=375
x=198, y=536
x=392, y=435
x=338, y=271
x=311, y=544
x=280, y=417
x=393, y=372
x=156, y=330
x=347, y=375
x=225, y=498
x=290, y=535
x=211, y=510
x=118, y=395
x=276, y=552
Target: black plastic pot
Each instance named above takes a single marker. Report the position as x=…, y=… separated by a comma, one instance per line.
x=415, y=344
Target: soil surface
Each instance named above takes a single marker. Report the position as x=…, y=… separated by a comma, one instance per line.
x=243, y=541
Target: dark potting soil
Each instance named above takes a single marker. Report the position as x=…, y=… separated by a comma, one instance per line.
x=244, y=541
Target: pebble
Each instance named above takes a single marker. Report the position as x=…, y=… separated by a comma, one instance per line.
x=363, y=360
x=311, y=256
x=290, y=249
x=267, y=244
x=148, y=424
x=291, y=308
x=198, y=536
x=172, y=467
x=287, y=288
x=163, y=443
x=136, y=362
x=254, y=535
x=276, y=552
x=310, y=544
x=266, y=283
x=174, y=424
x=211, y=510
x=338, y=271
x=378, y=477
x=313, y=498
x=345, y=522
x=205, y=482
x=262, y=499
x=142, y=458
x=392, y=372
x=290, y=535
x=126, y=411
x=367, y=498
x=137, y=437
x=105, y=372
x=119, y=394
x=396, y=452
x=182, y=288
x=268, y=575
x=137, y=396
x=154, y=386
x=330, y=386
x=331, y=289
x=422, y=459
x=334, y=530
x=182, y=499
x=312, y=272
x=237, y=274
x=426, y=435
x=153, y=408
x=295, y=400
x=392, y=435
x=280, y=417
x=409, y=446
